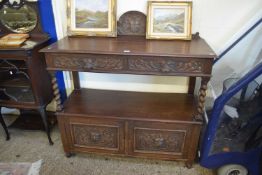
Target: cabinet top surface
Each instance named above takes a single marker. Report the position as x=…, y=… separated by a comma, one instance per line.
x=132, y=45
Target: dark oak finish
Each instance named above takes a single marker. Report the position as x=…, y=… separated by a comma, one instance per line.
x=154, y=125
x=31, y=63
x=137, y=45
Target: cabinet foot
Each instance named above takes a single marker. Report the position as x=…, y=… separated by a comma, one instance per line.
x=7, y=136
x=189, y=164
x=68, y=155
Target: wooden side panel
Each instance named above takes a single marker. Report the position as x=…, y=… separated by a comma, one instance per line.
x=65, y=132
x=41, y=80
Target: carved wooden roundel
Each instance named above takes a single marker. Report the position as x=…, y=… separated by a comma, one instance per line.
x=132, y=23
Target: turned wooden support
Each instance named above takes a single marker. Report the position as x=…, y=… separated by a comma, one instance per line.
x=76, y=80
x=56, y=92
x=201, y=99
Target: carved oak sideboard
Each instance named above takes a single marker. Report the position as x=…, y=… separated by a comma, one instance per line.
x=140, y=124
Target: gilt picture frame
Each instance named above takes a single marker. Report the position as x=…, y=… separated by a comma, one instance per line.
x=92, y=18
x=169, y=20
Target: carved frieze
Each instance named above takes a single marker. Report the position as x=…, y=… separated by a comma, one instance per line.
x=96, y=136
x=134, y=64
x=91, y=62
x=165, y=65
x=159, y=140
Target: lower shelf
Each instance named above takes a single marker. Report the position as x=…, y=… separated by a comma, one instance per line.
x=135, y=124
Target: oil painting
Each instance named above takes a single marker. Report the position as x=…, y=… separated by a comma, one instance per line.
x=92, y=17
x=169, y=20
x=92, y=13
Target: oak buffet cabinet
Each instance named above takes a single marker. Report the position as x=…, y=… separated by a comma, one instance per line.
x=139, y=124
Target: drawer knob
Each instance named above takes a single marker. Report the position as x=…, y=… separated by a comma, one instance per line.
x=159, y=142
x=95, y=137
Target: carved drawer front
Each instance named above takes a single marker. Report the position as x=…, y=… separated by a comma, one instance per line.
x=168, y=65
x=86, y=62
x=98, y=135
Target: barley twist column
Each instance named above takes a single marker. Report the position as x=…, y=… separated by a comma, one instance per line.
x=201, y=99
x=56, y=92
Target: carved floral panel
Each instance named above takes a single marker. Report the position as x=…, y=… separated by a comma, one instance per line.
x=165, y=65
x=96, y=136
x=91, y=62
x=159, y=140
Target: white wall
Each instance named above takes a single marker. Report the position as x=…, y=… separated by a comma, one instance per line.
x=241, y=59
x=216, y=20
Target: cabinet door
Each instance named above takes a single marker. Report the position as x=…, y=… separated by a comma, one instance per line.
x=159, y=140
x=96, y=135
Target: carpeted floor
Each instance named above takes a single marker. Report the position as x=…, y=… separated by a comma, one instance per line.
x=30, y=146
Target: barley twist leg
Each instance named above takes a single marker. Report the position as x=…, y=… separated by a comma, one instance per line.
x=57, y=96
x=201, y=100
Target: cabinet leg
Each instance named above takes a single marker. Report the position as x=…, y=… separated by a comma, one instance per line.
x=59, y=106
x=42, y=112
x=189, y=164
x=201, y=100
x=4, y=126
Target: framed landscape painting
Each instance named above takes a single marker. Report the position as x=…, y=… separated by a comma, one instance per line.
x=92, y=17
x=169, y=20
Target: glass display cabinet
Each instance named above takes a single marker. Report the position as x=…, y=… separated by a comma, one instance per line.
x=24, y=82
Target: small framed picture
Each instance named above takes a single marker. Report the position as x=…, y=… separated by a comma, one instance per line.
x=92, y=18
x=169, y=20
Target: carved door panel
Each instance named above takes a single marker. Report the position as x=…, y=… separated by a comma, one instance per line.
x=96, y=135
x=161, y=140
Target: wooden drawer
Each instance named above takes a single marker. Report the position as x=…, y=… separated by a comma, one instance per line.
x=85, y=62
x=169, y=65
x=159, y=140
x=95, y=135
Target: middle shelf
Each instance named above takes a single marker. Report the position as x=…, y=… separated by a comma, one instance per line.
x=130, y=105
